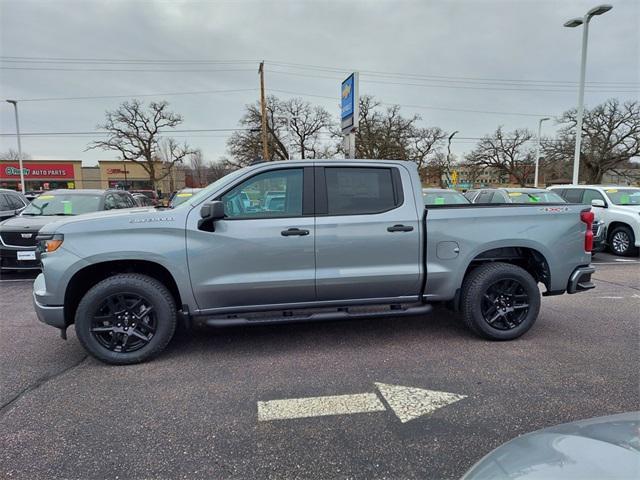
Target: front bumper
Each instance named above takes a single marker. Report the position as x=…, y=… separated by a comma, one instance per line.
x=9, y=260
x=50, y=314
x=580, y=280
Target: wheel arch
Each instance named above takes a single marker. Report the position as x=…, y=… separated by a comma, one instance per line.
x=528, y=258
x=84, y=279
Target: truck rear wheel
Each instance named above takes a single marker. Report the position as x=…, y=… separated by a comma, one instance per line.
x=127, y=318
x=500, y=301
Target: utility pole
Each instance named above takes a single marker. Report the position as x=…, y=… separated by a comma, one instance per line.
x=448, y=166
x=15, y=107
x=263, y=114
x=535, y=180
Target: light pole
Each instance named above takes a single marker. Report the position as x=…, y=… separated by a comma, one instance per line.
x=535, y=181
x=449, y=157
x=576, y=22
x=15, y=108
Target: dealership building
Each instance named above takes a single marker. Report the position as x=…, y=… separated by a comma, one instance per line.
x=53, y=174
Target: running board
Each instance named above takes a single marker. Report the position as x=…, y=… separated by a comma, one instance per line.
x=341, y=314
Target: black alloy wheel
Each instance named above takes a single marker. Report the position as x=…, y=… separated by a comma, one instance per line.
x=505, y=304
x=124, y=322
x=126, y=318
x=499, y=301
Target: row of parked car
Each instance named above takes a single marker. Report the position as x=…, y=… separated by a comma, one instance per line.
x=616, y=208
x=21, y=217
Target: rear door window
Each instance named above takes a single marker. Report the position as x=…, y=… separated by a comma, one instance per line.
x=484, y=197
x=573, y=195
x=360, y=190
x=590, y=194
x=4, y=202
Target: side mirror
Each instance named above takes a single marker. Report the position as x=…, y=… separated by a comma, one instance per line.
x=596, y=202
x=209, y=213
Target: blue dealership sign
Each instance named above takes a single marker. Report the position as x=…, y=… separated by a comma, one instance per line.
x=349, y=103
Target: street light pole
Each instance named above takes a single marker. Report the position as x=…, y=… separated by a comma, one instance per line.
x=449, y=158
x=599, y=10
x=15, y=108
x=535, y=181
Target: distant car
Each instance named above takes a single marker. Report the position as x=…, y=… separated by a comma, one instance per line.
x=151, y=194
x=513, y=195
x=603, y=447
x=182, y=196
x=141, y=200
x=617, y=206
x=443, y=196
x=31, y=194
x=18, y=234
x=11, y=203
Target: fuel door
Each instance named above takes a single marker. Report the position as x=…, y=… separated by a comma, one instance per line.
x=447, y=250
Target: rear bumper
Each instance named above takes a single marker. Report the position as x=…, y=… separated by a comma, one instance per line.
x=51, y=315
x=580, y=280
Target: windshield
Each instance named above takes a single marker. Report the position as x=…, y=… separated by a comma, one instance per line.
x=543, y=196
x=205, y=192
x=182, y=197
x=444, y=198
x=63, y=204
x=624, y=196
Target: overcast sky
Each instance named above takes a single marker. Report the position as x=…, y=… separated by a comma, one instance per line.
x=509, y=56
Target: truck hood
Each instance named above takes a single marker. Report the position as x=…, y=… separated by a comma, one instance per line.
x=126, y=215
x=28, y=222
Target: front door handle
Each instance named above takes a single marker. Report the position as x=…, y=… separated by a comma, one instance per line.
x=290, y=232
x=400, y=228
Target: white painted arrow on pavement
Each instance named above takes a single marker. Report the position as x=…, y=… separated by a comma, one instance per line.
x=406, y=402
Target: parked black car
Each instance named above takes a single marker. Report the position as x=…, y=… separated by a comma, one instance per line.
x=142, y=200
x=18, y=234
x=11, y=203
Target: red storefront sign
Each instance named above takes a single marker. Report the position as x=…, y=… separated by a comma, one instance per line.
x=33, y=171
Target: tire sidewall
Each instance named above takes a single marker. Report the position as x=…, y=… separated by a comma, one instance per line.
x=477, y=291
x=153, y=291
x=629, y=235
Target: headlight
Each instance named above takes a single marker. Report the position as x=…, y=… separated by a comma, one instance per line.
x=49, y=243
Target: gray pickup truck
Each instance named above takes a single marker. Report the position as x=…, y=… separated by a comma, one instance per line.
x=348, y=239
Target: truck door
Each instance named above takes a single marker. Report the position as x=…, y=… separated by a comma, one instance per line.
x=262, y=252
x=367, y=233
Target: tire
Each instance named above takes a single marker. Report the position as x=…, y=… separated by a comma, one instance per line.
x=621, y=242
x=106, y=317
x=494, y=296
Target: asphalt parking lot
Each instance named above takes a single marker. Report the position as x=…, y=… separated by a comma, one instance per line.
x=194, y=411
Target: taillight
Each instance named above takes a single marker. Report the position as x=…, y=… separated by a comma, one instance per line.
x=586, y=216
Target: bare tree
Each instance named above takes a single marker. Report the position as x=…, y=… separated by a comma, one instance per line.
x=384, y=133
x=610, y=138
x=12, y=154
x=135, y=131
x=292, y=124
x=199, y=168
x=508, y=153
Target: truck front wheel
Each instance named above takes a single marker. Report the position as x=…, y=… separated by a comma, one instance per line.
x=500, y=301
x=127, y=318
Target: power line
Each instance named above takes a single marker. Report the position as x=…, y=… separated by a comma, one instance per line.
x=426, y=107
x=165, y=94
x=302, y=66
x=463, y=87
x=56, y=69
x=101, y=132
x=438, y=77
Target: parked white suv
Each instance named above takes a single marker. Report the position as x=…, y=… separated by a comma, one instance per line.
x=617, y=206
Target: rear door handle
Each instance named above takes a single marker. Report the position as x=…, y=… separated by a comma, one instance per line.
x=290, y=232
x=400, y=228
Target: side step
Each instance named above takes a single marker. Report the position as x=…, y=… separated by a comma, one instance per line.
x=342, y=313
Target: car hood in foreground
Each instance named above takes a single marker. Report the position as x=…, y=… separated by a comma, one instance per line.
x=28, y=222
x=603, y=447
